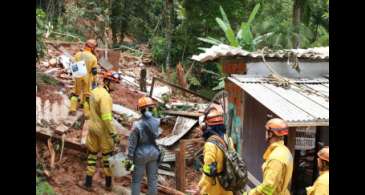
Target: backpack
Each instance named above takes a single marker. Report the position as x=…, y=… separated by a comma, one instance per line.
x=234, y=174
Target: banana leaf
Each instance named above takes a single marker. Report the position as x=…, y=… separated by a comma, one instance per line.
x=253, y=14
x=228, y=32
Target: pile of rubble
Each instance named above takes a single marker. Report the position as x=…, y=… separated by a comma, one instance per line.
x=65, y=135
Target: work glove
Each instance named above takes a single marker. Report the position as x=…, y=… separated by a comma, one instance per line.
x=128, y=164
x=115, y=138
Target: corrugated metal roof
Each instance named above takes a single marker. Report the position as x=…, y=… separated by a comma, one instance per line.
x=309, y=107
x=182, y=126
x=222, y=50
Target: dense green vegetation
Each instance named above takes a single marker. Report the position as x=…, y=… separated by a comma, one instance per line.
x=176, y=29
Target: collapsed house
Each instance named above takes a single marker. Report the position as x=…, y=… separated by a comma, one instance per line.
x=181, y=139
x=289, y=84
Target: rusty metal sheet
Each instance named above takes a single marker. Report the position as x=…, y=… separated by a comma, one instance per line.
x=182, y=126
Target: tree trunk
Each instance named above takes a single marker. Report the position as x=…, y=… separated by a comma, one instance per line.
x=114, y=20
x=124, y=23
x=142, y=81
x=297, y=12
x=169, y=26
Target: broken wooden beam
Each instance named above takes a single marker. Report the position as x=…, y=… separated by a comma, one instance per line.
x=180, y=166
x=61, y=129
x=45, y=135
x=183, y=113
x=176, y=86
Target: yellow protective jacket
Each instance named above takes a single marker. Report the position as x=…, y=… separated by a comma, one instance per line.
x=277, y=171
x=321, y=185
x=206, y=184
x=101, y=126
x=84, y=84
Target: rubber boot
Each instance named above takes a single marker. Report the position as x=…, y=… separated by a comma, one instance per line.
x=73, y=105
x=108, y=183
x=87, y=185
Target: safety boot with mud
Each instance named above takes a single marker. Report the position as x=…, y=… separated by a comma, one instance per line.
x=108, y=183
x=87, y=185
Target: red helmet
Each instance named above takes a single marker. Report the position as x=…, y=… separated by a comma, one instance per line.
x=277, y=126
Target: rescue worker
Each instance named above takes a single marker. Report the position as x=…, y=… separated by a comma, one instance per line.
x=321, y=185
x=213, y=127
x=143, y=152
x=102, y=136
x=83, y=86
x=278, y=166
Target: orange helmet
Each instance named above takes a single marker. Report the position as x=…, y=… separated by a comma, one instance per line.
x=110, y=75
x=144, y=102
x=215, y=115
x=91, y=43
x=324, y=154
x=277, y=126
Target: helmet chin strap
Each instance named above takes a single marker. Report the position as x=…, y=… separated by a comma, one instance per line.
x=269, y=136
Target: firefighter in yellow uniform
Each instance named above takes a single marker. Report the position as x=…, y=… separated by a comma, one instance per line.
x=213, y=126
x=278, y=166
x=83, y=86
x=102, y=136
x=321, y=185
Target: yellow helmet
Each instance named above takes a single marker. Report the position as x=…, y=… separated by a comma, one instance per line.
x=277, y=126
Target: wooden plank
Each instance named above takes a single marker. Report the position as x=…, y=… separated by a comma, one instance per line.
x=164, y=172
x=180, y=166
x=183, y=113
x=44, y=135
x=61, y=129
x=70, y=120
x=291, y=146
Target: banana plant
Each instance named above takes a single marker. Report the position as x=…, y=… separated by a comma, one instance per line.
x=243, y=38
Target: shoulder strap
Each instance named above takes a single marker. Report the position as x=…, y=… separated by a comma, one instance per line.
x=219, y=142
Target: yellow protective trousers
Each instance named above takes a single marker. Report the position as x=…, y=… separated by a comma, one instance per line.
x=81, y=93
x=96, y=143
x=101, y=128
